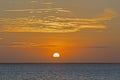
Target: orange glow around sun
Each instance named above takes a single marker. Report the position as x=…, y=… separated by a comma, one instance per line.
x=56, y=55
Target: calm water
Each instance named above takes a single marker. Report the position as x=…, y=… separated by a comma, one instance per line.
x=59, y=71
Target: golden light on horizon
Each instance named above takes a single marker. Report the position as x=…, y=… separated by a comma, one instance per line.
x=56, y=55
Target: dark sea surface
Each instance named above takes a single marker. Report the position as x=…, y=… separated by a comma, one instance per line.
x=59, y=71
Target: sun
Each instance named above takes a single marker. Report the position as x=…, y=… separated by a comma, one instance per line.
x=56, y=55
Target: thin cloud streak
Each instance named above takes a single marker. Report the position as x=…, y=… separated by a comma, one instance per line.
x=27, y=44
x=34, y=1
x=100, y=47
x=39, y=10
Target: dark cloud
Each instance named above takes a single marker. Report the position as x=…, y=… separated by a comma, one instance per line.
x=98, y=47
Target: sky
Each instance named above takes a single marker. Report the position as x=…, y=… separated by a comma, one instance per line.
x=82, y=31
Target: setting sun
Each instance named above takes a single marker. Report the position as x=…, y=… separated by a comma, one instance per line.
x=56, y=55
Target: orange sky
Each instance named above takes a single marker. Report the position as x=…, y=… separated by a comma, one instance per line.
x=31, y=31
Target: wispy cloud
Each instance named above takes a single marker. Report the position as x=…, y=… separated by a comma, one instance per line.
x=41, y=2
x=48, y=3
x=98, y=47
x=30, y=45
x=107, y=15
x=54, y=23
x=44, y=10
x=33, y=1
x=1, y=38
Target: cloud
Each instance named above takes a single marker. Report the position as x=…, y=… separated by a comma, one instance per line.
x=98, y=47
x=41, y=2
x=107, y=15
x=35, y=44
x=1, y=38
x=27, y=45
x=44, y=10
x=33, y=1
x=47, y=3
x=30, y=45
x=54, y=24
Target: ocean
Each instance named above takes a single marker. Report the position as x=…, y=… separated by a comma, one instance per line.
x=59, y=71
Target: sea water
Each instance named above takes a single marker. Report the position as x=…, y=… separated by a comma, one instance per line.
x=59, y=71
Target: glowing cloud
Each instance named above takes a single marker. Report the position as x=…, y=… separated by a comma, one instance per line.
x=53, y=24
x=44, y=10
x=34, y=1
